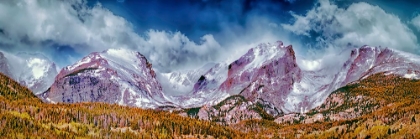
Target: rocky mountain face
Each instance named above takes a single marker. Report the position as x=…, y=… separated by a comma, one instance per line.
x=113, y=76
x=34, y=71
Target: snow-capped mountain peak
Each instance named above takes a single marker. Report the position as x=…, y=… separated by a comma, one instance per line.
x=115, y=76
x=39, y=67
x=263, y=53
x=34, y=71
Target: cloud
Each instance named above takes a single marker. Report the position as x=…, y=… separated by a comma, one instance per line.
x=176, y=51
x=416, y=22
x=72, y=23
x=28, y=24
x=258, y=30
x=359, y=24
x=72, y=29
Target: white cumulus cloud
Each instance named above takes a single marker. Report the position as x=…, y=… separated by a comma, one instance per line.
x=359, y=24
x=26, y=24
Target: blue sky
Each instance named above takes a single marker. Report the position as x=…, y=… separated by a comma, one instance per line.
x=196, y=18
x=176, y=35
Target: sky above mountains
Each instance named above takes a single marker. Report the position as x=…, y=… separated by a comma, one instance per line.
x=177, y=35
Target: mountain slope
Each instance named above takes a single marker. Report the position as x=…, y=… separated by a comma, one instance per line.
x=10, y=90
x=114, y=76
x=379, y=106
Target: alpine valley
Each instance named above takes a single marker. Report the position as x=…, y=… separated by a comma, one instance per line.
x=265, y=93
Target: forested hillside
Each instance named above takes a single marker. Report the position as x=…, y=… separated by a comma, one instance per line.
x=380, y=106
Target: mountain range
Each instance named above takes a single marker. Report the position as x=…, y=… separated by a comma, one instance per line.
x=266, y=93
x=267, y=76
